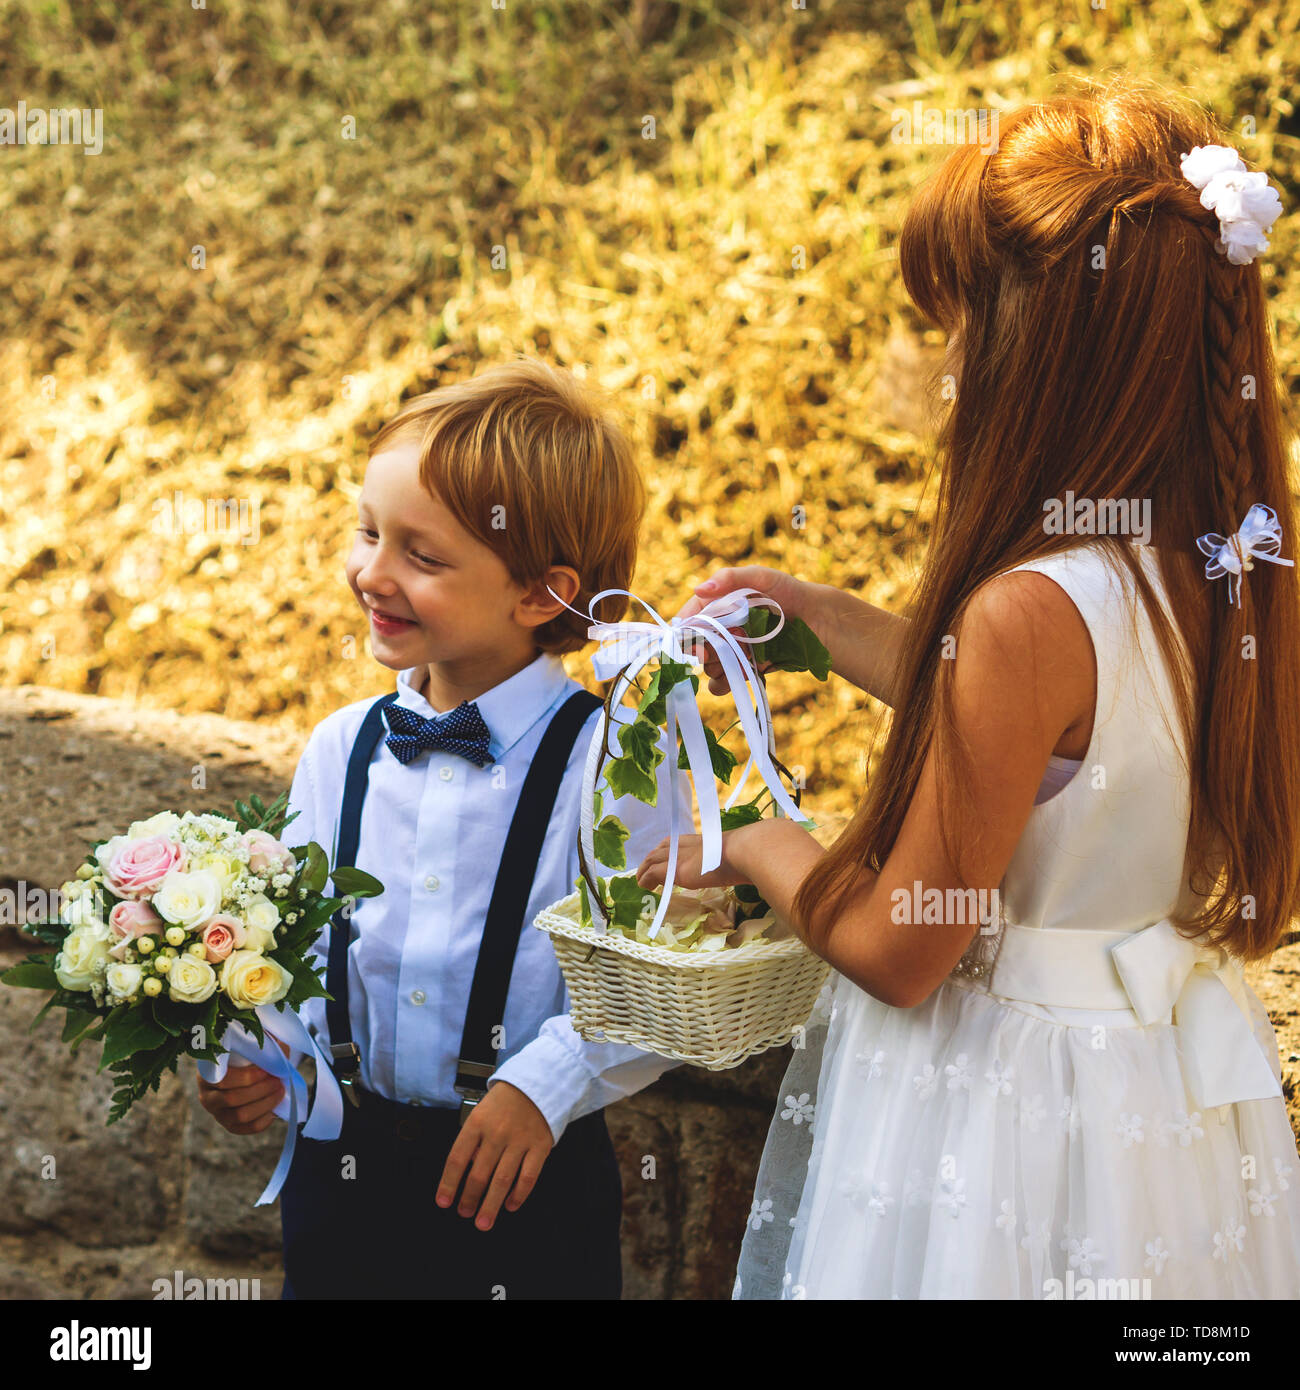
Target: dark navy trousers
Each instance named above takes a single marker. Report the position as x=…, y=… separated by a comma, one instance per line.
x=378, y=1233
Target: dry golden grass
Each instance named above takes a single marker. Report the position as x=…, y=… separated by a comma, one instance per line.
x=343, y=273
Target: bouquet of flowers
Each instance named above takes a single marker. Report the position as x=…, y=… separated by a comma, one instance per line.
x=711, y=975
x=186, y=933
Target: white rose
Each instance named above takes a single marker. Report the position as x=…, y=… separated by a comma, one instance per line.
x=252, y=979
x=104, y=853
x=190, y=980
x=187, y=899
x=82, y=959
x=85, y=912
x=123, y=980
x=164, y=823
x=226, y=869
x=258, y=939
x=261, y=912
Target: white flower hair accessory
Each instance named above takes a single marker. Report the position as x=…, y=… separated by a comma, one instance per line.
x=1258, y=537
x=1244, y=202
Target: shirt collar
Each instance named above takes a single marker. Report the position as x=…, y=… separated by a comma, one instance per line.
x=510, y=708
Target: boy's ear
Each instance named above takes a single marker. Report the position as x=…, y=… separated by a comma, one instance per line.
x=536, y=606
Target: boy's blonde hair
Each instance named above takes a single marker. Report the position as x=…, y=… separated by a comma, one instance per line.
x=533, y=464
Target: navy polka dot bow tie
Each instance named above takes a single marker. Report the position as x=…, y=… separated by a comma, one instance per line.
x=462, y=732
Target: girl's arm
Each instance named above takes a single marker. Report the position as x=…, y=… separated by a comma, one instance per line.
x=1025, y=673
x=864, y=641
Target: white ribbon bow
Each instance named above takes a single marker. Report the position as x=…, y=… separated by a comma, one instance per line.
x=326, y=1118
x=1258, y=537
x=633, y=645
x=1223, y=1061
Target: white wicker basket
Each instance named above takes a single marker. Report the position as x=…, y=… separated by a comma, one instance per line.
x=712, y=1008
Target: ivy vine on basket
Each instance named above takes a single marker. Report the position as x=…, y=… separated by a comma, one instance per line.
x=710, y=919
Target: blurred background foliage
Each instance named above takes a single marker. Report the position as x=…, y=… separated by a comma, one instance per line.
x=347, y=170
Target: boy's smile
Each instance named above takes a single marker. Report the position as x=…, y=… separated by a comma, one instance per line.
x=433, y=593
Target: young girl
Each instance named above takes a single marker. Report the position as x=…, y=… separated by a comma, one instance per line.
x=1073, y=1087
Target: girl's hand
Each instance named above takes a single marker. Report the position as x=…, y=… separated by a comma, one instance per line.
x=792, y=594
x=653, y=869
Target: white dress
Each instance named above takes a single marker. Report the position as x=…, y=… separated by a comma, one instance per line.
x=1089, y=1098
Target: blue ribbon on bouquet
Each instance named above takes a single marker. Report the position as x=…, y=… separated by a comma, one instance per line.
x=634, y=645
x=326, y=1118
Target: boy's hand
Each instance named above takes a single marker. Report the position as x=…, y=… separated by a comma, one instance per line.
x=242, y=1101
x=505, y=1134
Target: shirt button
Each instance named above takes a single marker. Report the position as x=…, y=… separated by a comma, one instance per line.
x=431, y=883
x=446, y=774
x=417, y=996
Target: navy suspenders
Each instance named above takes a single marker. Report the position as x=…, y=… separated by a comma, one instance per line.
x=505, y=914
x=347, y=1059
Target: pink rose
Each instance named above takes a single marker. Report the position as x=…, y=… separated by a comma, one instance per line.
x=139, y=867
x=222, y=935
x=266, y=854
x=130, y=920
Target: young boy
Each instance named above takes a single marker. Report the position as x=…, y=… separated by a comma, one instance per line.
x=477, y=496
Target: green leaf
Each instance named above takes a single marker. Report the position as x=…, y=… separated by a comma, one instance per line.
x=609, y=838
x=47, y=933
x=101, y=1026
x=355, y=882
x=208, y=1017
x=671, y=673
x=40, y=1014
x=652, y=705
x=639, y=741
x=174, y=1018
x=36, y=972
x=584, y=900
x=722, y=760
x=744, y=814
x=795, y=648
x=628, y=900
x=77, y=1022
x=624, y=778
x=305, y=976
x=135, y=1032
x=317, y=869
x=250, y=1021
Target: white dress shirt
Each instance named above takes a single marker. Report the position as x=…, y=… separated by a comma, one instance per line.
x=432, y=832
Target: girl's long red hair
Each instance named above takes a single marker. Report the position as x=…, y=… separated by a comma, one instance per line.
x=1106, y=348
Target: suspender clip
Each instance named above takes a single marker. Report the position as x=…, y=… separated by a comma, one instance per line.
x=466, y=1105
x=470, y=1094
x=347, y=1064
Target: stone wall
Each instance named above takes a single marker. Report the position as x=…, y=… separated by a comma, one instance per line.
x=167, y=1188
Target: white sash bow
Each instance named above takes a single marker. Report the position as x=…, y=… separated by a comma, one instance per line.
x=1159, y=974
x=1162, y=970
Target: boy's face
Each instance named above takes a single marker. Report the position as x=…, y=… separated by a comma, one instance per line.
x=448, y=599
